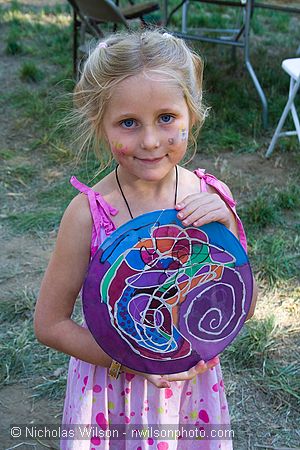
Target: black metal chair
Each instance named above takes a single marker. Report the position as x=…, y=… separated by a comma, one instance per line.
x=88, y=15
x=239, y=37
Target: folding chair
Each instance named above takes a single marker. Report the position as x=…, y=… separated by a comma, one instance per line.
x=292, y=67
x=239, y=37
x=89, y=14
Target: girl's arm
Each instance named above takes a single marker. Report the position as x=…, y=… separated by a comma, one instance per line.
x=60, y=287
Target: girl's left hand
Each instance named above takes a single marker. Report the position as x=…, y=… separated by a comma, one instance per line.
x=200, y=368
x=163, y=381
x=205, y=207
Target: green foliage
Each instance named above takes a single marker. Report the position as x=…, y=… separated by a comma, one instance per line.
x=49, y=195
x=253, y=346
x=22, y=356
x=6, y=154
x=13, y=45
x=22, y=174
x=20, y=308
x=260, y=211
x=39, y=220
x=254, y=352
x=274, y=256
x=29, y=72
x=15, y=5
x=282, y=382
x=289, y=197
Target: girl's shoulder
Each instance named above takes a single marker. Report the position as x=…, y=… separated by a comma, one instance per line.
x=73, y=240
x=106, y=187
x=77, y=216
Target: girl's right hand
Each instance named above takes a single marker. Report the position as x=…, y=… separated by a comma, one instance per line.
x=164, y=381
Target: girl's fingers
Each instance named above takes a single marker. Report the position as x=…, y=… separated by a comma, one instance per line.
x=213, y=362
x=201, y=215
x=212, y=216
x=199, y=368
x=202, y=209
x=163, y=381
x=186, y=201
x=158, y=381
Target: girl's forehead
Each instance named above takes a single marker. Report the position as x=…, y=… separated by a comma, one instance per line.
x=145, y=87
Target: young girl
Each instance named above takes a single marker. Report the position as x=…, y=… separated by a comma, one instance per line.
x=140, y=96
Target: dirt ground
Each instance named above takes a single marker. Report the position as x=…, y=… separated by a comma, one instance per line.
x=244, y=171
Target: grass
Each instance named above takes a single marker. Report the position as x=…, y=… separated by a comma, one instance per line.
x=254, y=352
x=253, y=346
x=13, y=45
x=22, y=174
x=38, y=159
x=282, y=382
x=260, y=211
x=39, y=220
x=30, y=72
x=22, y=357
x=289, y=197
x=274, y=257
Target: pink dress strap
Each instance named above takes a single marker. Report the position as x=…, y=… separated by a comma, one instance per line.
x=211, y=180
x=100, y=211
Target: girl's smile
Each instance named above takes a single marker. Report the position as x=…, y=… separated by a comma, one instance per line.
x=145, y=130
x=150, y=160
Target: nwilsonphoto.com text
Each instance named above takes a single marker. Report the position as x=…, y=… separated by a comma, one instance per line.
x=122, y=432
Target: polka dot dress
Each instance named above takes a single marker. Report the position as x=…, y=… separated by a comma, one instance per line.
x=93, y=398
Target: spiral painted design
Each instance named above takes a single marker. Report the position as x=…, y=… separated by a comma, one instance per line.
x=214, y=312
x=157, y=293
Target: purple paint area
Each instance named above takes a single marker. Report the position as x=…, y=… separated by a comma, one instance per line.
x=197, y=234
x=137, y=305
x=147, y=279
x=212, y=314
x=166, y=231
x=98, y=321
x=220, y=256
x=207, y=319
x=158, y=318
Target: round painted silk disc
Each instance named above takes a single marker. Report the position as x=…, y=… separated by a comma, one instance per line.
x=159, y=297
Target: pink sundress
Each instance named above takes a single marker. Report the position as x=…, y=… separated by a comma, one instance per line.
x=94, y=398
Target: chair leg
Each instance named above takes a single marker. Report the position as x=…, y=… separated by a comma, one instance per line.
x=294, y=111
x=249, y=66
x=185, y=8
x=283, y=117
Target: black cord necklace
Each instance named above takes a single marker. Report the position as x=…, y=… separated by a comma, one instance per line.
x=123, y=195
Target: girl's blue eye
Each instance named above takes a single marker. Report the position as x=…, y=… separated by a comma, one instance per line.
x=128, y=123
x=166, y=118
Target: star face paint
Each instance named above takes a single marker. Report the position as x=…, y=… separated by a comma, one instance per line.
x=118, y=148
x=183, y=133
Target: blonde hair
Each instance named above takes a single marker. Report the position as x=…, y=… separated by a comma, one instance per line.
x=127, y=54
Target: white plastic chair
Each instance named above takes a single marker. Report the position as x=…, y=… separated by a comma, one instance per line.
x=292, y=67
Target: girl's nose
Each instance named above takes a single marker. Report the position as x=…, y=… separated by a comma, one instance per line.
x=150, y=139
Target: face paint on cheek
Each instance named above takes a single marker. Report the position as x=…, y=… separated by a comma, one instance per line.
x=171, y=141
x=183, y=133
x=118, y=148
